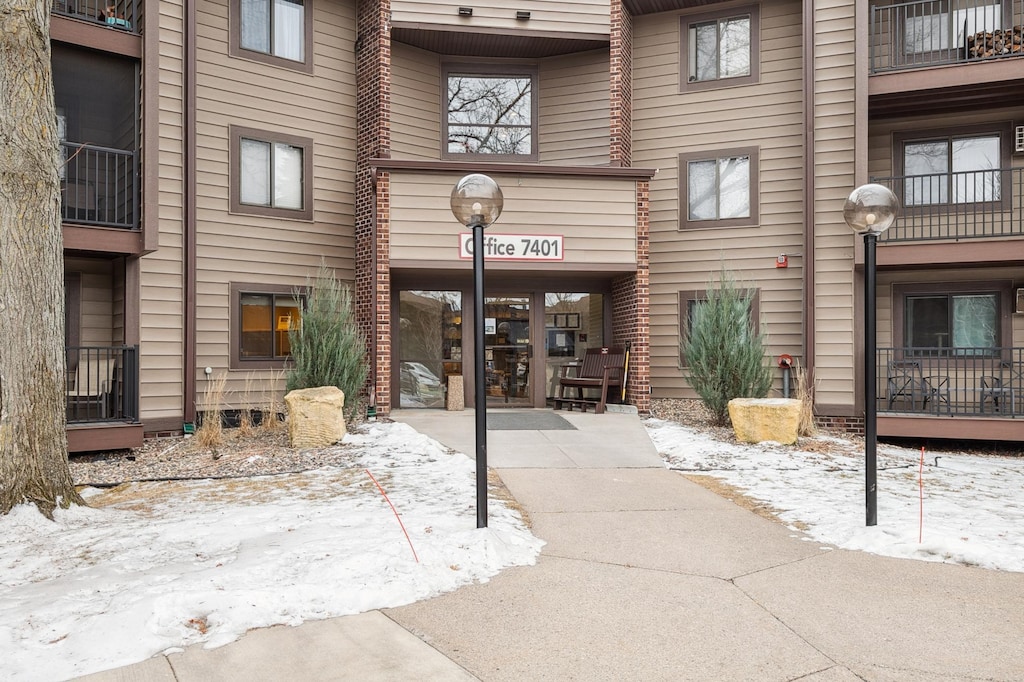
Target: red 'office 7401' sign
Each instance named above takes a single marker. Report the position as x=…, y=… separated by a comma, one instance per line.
x=514, y=246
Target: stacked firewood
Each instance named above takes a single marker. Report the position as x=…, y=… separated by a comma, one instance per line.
x=995, y=43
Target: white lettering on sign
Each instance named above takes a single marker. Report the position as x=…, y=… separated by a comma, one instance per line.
x=514, y=246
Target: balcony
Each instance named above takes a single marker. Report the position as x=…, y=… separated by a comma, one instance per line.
x=926, y=33
x=957, y=206
x=121, y=15
x=98, y=186
x=103, y=384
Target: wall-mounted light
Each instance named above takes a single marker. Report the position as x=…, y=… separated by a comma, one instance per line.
x=465, y=11
x=522, y=16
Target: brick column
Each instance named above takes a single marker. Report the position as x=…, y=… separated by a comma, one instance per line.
x=631, y=308
x=621, y=95
x=372, y=207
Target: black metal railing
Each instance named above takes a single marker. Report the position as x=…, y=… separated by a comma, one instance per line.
x=103, y=384
x=122, y=15
x=965, y=205
x=907, y=35
x=98, y=186
x=971, y=382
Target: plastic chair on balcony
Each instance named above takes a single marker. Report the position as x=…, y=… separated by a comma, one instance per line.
x=905, y=381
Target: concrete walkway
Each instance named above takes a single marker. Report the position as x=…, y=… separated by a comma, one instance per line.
x=647, y=576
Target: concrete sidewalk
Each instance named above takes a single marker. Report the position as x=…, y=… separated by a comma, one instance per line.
x=647, y=575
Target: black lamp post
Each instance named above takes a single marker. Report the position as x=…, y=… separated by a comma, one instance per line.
x=476, y=203
x=870, y=210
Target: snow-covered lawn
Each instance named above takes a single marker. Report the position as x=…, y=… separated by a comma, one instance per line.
x=966, y=509
x=158, y=566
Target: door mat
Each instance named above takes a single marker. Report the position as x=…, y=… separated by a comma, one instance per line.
x=527, y=421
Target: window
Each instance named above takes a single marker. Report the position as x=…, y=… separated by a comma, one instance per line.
x=953, y=319
x=689, y=311
x=925, y=32
x=957, y=169
x=719, y=49
x=278, y=32
x=262, y=316
x=270, y=174
x=489, y=112
x=718, y=189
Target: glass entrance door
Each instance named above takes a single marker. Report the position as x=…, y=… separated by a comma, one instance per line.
x=508, y=352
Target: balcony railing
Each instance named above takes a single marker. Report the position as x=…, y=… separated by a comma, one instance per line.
x=98, y=186
x=969, y=382
x=907, y=35
x=103, y=384
x=122, y=15
x=967, y=205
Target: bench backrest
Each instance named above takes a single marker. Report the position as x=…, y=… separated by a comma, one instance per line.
x=596, y=359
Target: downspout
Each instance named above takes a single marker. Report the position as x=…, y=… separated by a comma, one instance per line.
x=810, y=261
x=189, y=215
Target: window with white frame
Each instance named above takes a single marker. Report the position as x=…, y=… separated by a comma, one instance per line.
x=490, y=111
x=720, y=48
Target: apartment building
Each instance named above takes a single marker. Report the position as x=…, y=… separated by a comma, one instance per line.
x=219, y=149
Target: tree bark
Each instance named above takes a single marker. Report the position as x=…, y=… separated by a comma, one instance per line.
x=33, y=442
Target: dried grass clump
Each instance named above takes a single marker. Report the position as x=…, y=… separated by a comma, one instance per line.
x=274, y=406
x=246, y=427
x=210, y=433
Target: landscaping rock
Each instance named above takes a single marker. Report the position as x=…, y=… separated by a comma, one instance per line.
x=761, y=419
x=315, y=416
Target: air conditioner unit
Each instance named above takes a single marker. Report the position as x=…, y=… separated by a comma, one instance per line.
x=1019, y=139
x=1019, y=308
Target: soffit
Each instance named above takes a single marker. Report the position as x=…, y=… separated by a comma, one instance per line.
x=477, y=44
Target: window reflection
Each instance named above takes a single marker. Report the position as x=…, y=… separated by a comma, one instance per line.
x=430, y=345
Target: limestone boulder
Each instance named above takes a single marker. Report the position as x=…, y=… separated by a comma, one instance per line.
x=759, y=419
x=315, y=416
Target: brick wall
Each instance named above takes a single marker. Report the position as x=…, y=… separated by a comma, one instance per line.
x=854, y=425
x=631, y=309
x=372, y=223
x=621, y=84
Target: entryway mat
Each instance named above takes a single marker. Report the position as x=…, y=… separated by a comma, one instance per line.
x=527, y=421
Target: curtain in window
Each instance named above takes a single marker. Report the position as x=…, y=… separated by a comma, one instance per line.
x=254, y=185
x=289, y=29
x=257, y=339
x=704, y=51
x=701, y=191
x=974, y=321
x=287, y=176
x=255, y=25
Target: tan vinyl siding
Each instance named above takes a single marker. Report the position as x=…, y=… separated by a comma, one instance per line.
x=415, y=103
x=572, y=99
x=573, y=109
x=835, y=131
x=161, y=272
x=596, y=216
x=96, y=320
x=580, y=16
x=767, y=116
x=255, y=249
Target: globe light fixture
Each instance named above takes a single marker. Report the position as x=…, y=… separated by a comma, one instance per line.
x=870, y=210
x=476, y=203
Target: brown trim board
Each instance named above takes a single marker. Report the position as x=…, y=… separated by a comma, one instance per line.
x=470, y=166
x=810, y=262
x=150, y=127
x=189, y=212
x=96, y=36
x=106, y=437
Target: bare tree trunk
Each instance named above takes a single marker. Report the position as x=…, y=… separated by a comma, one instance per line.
x=33, y=443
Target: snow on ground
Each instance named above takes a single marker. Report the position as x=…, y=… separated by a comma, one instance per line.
x=153, y=567
x=972, y=507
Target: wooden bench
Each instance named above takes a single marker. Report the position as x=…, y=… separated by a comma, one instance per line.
x=601, y=369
